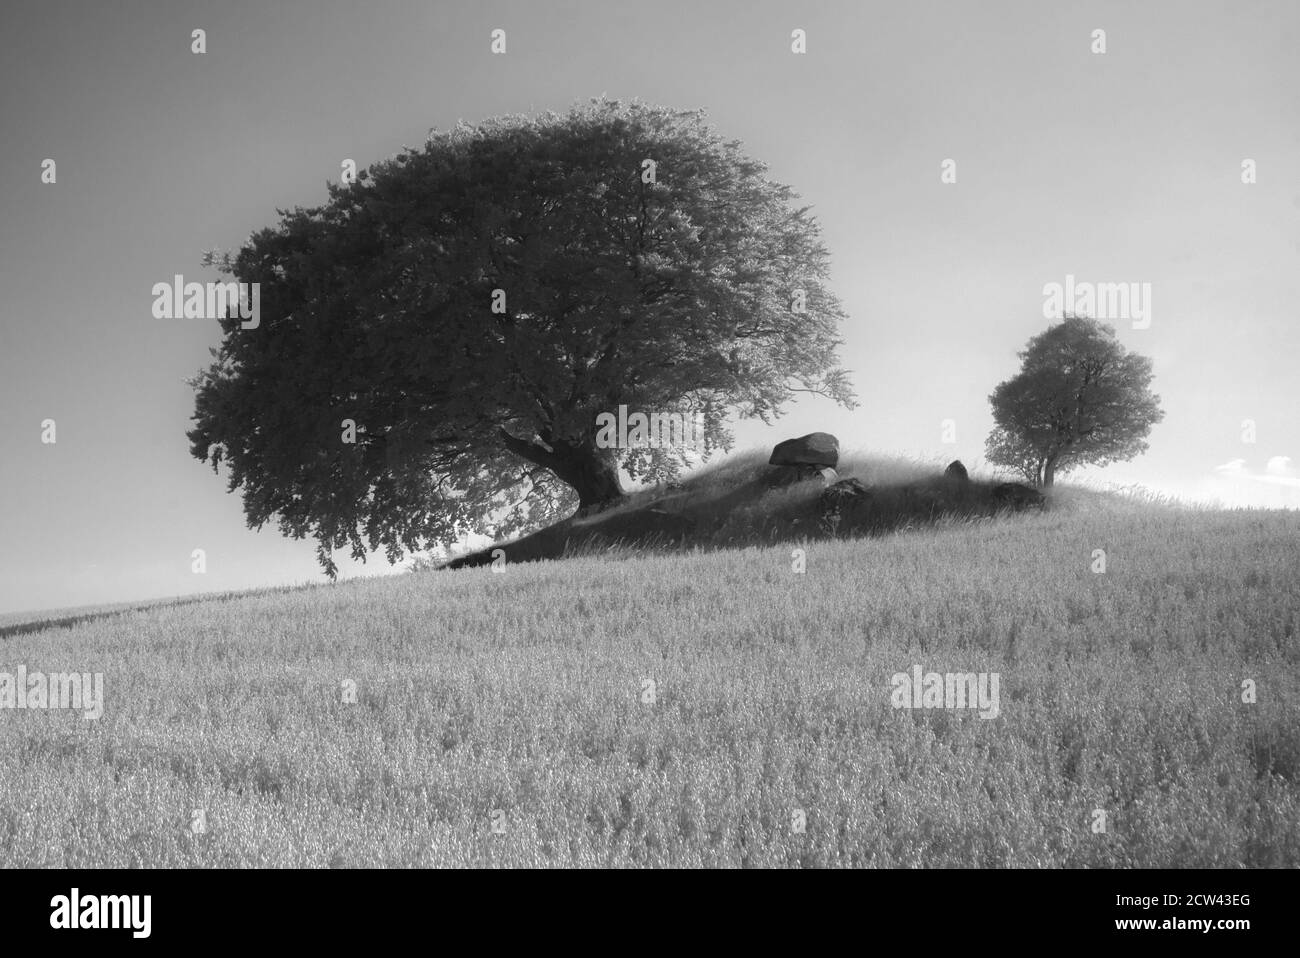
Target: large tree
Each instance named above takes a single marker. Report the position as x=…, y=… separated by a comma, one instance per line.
x=473, y=306
x=1080, y=398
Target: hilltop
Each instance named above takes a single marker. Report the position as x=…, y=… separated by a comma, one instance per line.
x=734, y=504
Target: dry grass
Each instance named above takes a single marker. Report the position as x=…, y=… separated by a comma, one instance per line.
x=522, y=692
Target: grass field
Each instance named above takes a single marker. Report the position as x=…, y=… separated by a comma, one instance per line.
x=504, y=719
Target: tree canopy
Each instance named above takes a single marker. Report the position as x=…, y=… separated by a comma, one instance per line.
x=473, y=306
x=1080, y=398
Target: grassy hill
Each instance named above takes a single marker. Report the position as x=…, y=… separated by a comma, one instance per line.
x=506, y=718
x=734, y=504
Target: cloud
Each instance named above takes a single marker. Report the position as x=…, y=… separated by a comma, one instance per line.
x=1233, y=467
x=1236, y=483
x=1278, y=472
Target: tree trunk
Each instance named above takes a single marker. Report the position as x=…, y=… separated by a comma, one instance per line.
x=1049, y=472
x=591, y=472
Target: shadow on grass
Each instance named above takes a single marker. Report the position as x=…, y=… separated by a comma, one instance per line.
x=739, y=508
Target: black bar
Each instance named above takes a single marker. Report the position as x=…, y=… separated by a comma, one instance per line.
x=951, y=909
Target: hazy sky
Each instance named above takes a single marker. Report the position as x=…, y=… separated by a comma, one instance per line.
x=1117, y=167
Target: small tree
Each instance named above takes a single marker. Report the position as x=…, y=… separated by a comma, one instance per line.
x=437, y=342
x=1080, y=398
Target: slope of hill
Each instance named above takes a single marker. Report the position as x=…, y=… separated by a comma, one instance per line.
x=709, y=707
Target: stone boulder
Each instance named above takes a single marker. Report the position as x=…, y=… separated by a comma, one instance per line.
x=956, y=472
x=845, y=502
x=828, y=476
x=1016, y=496
x=815, y=449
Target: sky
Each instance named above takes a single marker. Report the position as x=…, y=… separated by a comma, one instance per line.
x=1122, y=166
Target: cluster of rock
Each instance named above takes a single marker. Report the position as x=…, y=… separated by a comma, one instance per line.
x=848, y=503
x=813, y=456
x=1012, y=495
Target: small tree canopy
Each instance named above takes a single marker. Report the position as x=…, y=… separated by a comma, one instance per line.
x=474, y=305
x=1080, y=398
